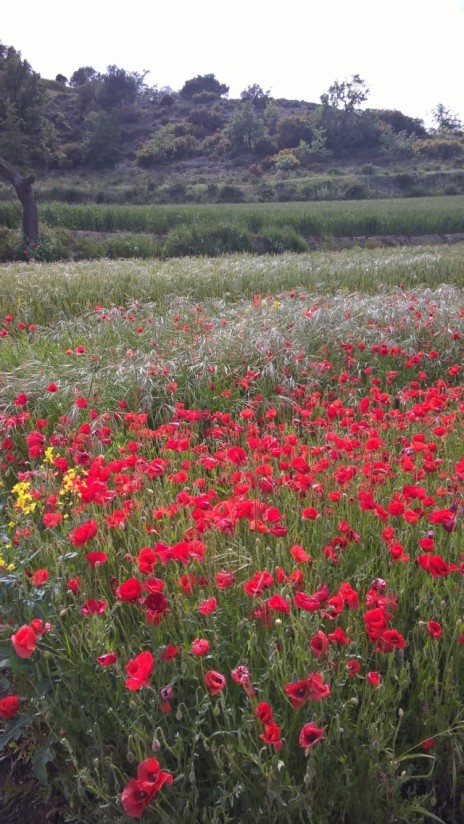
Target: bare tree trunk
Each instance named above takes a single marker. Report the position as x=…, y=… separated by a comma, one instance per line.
x=25, y=193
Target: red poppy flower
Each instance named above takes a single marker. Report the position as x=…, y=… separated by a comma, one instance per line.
x=300, y=555
x=225, y=579
x=74, y=585
x=307, y=602
x=139, y=670
x=264, y=712
x=278, y=604
x=434, y=629
x=83, y=533
x=339, y=637
x=199, y=647
x=39, y=577
x=352, y=667
x=436, y=565
x=9, y=706
x=24, y=641
x=240, y=675
x=215, y=682
x=272, y=735
x=207, y=607
x=149, y=771
x=428, y=744
x=129, y=591
x=319, y=644
x=51, y=519
x=137, y=795
x=169, y=652
x=298, y=693
x=317, y=689
x=390, y=640
x=95, y=558
x=374, y=678
x=93, y=607
x=310, y=734
x=40, y=627
x=107, y=659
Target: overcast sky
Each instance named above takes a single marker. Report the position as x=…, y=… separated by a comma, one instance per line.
x=408, y=51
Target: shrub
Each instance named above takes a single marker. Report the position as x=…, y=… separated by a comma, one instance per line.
x=71, y=155
x=167, y=145
x=185, y=241
x=203, y=83
x=228, y=193
x=286, y=161
x=204, y=98
x=441, y=148
x=282, y=240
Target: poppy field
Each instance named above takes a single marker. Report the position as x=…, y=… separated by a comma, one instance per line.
x=231, y=555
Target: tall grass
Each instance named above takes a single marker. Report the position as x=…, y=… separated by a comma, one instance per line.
x=334, y=218
x=46, y=293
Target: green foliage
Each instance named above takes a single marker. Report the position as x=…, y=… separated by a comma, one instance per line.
x=446, y=121
x=206, y=120
x=204, y=98
x=26, y=134
x=119, y=87
x=167, y=144
x=286, y=239
x=246, y=130
x=285, y=161
x=315, y=150
x=209, y=241
x=256, y=95
x=102, y=141
x=71, y=155
x=83, y=75
x=348, y=130
x=292, y=129
x=440, y=148
x=346, y=94
x=400, y=122
x=396, y=144
x=203, y=83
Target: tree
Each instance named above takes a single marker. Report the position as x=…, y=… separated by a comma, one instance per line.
x=25, y=131
x=102, y=141
x=83, y=75
x=256, y=95
x=347, y=95
x=400, y=122
x=25, y=194
x=245, y=129
x=203, y=83
x=293, y=128
x=118, y=87
x=445, y=120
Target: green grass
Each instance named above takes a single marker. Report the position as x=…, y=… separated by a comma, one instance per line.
x=47, y=293
x=406, y=216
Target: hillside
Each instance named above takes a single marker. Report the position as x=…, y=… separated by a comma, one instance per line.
x=111, y=138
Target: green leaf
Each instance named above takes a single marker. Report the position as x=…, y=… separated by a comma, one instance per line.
x=40, y=759
x=13, y=731
x=423, y=811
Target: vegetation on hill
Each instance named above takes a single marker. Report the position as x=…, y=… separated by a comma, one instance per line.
x=110, y=137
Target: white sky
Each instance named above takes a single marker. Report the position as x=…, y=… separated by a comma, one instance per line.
x=408, y=51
